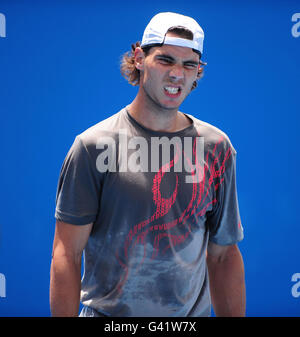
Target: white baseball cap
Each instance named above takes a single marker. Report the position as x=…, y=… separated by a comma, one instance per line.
x=155, y=32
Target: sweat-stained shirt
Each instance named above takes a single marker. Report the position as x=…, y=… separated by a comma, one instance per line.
x=152, y=218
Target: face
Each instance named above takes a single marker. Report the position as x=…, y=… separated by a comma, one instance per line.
x=167, y=74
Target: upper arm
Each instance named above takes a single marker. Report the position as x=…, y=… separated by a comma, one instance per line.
x=70, y=240
x=217, y=253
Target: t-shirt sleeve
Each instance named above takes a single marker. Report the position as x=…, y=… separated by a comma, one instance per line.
x=79, y=185
x=224, y=222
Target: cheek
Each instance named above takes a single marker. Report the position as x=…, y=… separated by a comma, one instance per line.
x=152, y=75
x=190, y=79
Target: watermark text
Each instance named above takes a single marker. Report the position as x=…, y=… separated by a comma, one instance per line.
x=2, y=25
x=2, y=285
x=138, y=154
x=296, y=287
x=296, y=26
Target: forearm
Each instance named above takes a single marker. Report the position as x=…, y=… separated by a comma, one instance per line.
x=65, y=285
x=227, y=284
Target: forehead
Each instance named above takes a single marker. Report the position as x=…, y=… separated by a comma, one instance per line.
x=182, y=53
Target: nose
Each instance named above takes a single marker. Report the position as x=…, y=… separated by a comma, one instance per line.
x=177, y=72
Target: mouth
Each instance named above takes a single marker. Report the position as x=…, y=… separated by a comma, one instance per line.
x=172, y=91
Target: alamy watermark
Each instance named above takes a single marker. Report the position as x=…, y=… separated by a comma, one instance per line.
x=296, y=287
x=137, y=154
x=2, y=25
x=2, y=285
x=296, y=27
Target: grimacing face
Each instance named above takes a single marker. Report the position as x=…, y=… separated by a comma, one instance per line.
x=167, y=74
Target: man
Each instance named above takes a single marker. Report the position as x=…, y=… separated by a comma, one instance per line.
x=149, y=195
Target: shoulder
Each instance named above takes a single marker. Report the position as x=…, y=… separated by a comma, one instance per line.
x=109, y=127
x=212, y=135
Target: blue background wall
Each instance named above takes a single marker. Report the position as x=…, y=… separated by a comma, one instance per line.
x=59, y=74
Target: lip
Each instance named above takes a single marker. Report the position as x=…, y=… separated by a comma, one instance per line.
x=172, y=95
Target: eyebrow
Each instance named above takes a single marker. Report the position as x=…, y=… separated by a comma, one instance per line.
x=172, y=59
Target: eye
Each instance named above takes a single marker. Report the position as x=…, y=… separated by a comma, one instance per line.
x=164, y=60
x=190, y=65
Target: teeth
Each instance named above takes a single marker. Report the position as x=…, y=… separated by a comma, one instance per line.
x=172, y=90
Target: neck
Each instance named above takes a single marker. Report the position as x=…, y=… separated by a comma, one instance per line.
x=148, y=113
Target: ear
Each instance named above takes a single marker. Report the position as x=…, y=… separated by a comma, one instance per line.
x=139, y=58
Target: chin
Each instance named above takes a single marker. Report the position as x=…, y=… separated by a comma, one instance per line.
x=170, y=106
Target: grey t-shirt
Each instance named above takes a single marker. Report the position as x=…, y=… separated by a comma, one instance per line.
x=146, y=254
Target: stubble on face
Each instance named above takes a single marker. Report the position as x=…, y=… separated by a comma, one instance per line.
x=168, y=66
